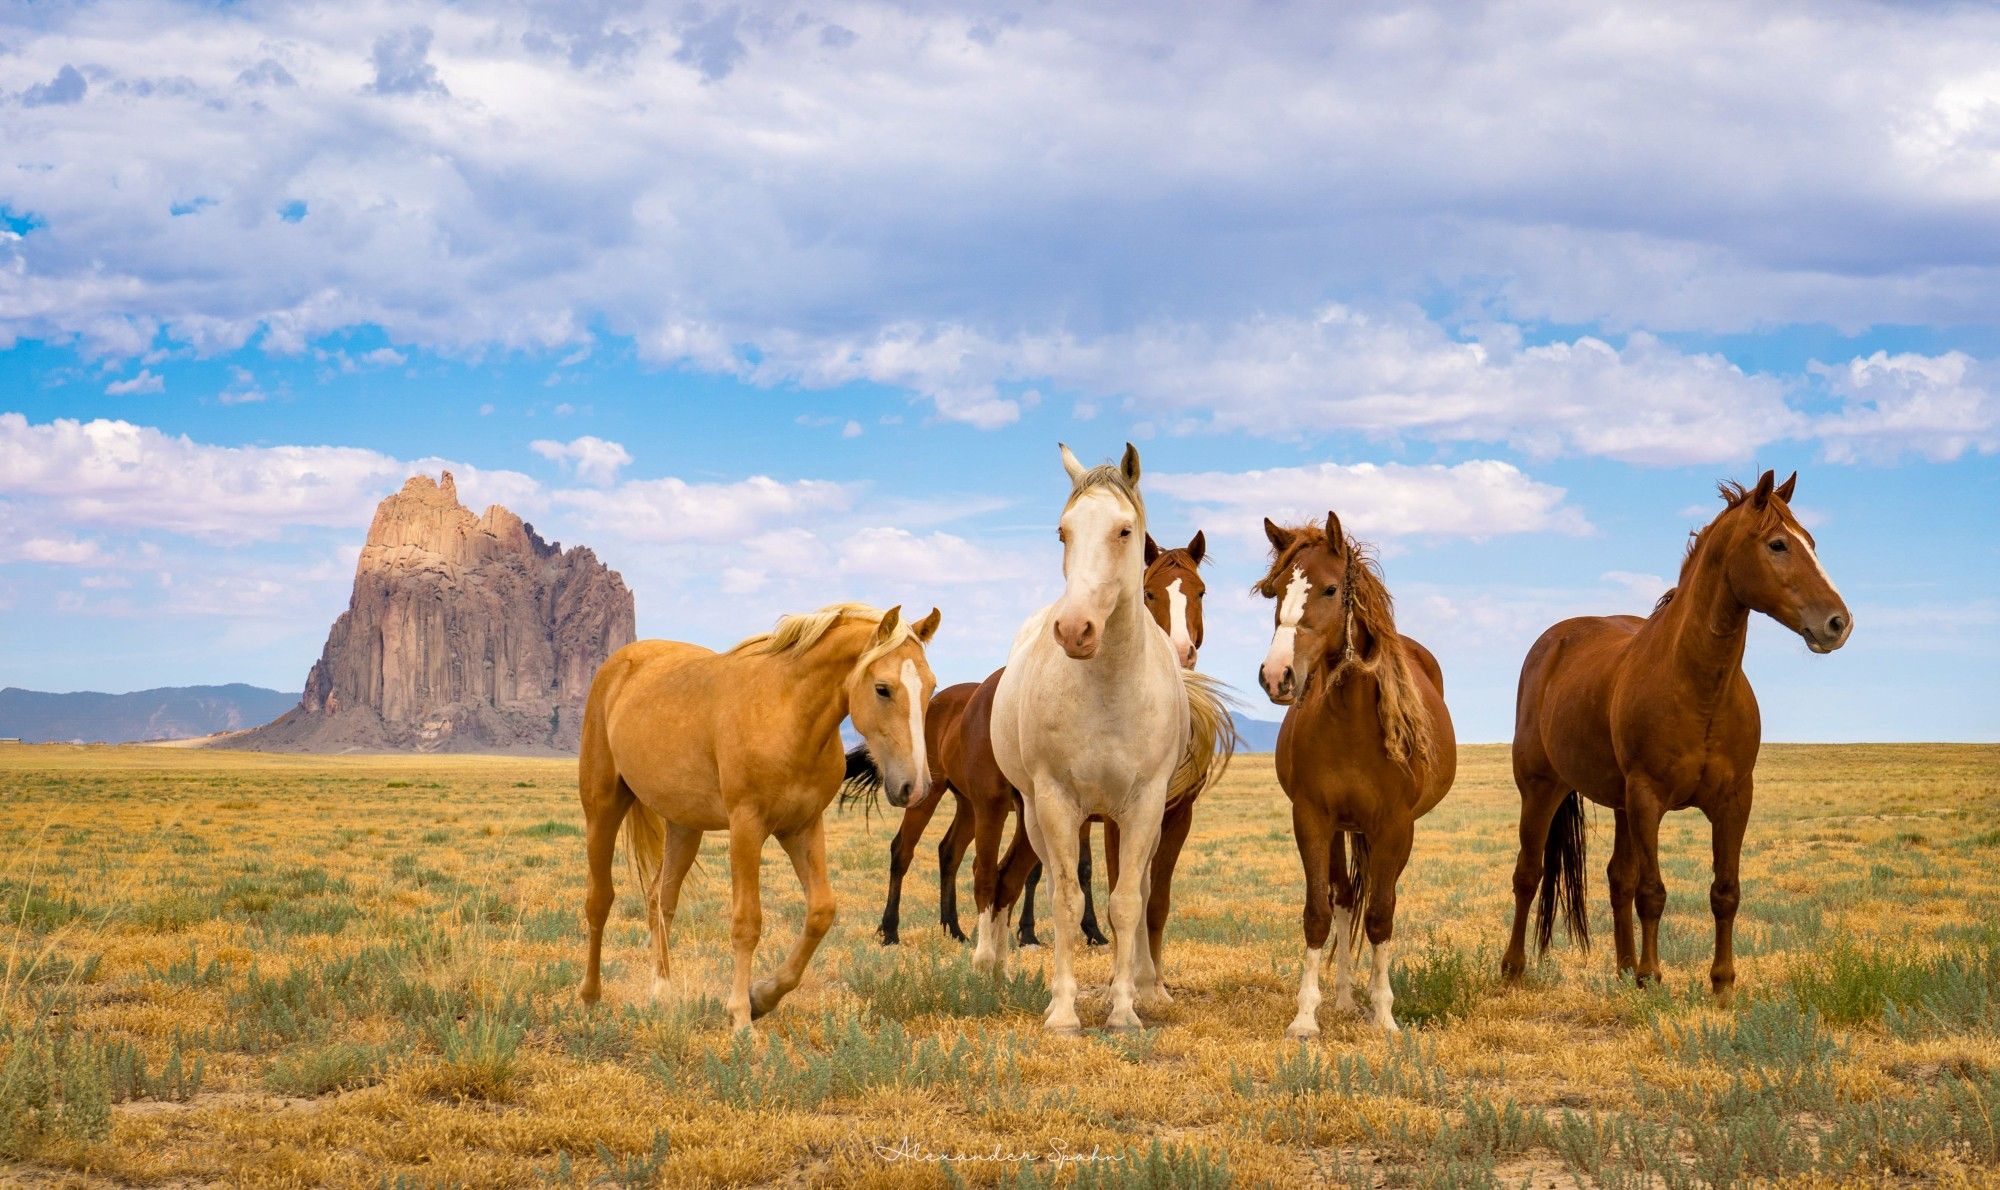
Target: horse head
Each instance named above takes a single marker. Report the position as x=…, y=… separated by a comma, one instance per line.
x=1174, y=592
x=887, y=693
x=1101, y=530
x=1772, y=565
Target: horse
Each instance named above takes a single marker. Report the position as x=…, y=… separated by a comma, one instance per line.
x=1366, y=749
x=679, y=739
x=1174, y=592
x=1094, y=715
x=1650, y=715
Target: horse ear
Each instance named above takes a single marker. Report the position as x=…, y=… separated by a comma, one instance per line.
x=1335, y=539
x=1130, y=464
x=1281, y=538
x=1762, y=495
x=927, y=627
x=887, y=627
x=1070, y=464
x=1784, y=490
x=1152, y=550
x=1198, y=548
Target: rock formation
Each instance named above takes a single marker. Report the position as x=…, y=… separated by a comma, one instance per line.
x=465, y=634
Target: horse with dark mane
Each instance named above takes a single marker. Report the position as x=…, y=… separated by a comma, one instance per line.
x=1366, y=749
x=1649, y=715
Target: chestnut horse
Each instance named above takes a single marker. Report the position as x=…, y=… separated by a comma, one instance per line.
x=1174, y=591
x=1366, y=749
x=1647, y=716
x=678, y=740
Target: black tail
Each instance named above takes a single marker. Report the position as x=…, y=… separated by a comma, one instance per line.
x=863, y=782
x=1563, y=877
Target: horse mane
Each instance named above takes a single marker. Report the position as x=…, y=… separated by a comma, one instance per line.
x=1178, y=554
x=1732, y=494
x=794, y=634
x=1108, y=475
x=1406, y=723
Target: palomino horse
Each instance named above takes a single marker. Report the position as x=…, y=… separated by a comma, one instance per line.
x=1093, y=715
x=1366, y=749
x=1647, y=716
x=688, y=740
x=1174, y=591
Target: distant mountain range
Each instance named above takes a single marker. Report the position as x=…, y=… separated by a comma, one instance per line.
x=1255, y=735
x=168, y=713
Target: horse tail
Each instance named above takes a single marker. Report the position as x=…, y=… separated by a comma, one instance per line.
x=1563, y=877
x=1212, y=737
x=646, y=846
x=1357, y=867
x=863, y=782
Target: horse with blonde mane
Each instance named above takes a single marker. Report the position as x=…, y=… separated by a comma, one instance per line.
x=1650, y=715
x=1366, y=749
x=1093, y=715
x=679, y=740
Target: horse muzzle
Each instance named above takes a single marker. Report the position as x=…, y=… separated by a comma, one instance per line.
x=1824, y=634
x=1079, y=638
x=1278, y=682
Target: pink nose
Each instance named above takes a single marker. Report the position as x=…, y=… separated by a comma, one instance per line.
x=1078, y=638
x=1276, y=680
x=1187, y=657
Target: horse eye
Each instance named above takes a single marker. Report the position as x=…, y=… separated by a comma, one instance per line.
x=1124, y=532
x=1779, y=546
x=1149, y=597
x=882, y=689
x=1331, y=589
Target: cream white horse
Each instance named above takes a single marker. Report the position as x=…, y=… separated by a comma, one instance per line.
x=1093, y=716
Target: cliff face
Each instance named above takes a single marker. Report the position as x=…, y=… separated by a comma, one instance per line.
x=464, y=634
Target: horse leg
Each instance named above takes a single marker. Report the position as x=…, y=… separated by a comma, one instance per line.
x=1092, y=935
x=1541, y=796
x=1052, y=823
x=1312, y=832
x=1728, y=821
x=1645, y=807
x=989, y=955
x=1159, y=898
x=683, y=844
x=807, y=847
x=1343, y=923
x=746, y=915
x=902, y=849
x=1029, y=883
x=606, y=799
x=1128, y=913
x=1387, y=855
x=1623, y=874
x=951, y=850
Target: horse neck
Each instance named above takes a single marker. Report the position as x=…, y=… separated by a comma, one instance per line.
x=815, y=696
x=1705, y=626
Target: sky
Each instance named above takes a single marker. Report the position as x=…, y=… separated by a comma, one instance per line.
x=776, y=305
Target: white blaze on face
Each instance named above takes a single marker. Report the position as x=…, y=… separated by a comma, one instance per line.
x=1812, y=556
x=1291, y=609
x=1177, y=620
x=913, y=685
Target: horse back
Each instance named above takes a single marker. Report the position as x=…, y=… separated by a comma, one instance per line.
x=973, y=770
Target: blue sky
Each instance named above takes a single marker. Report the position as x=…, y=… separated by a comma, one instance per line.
x=775, y=305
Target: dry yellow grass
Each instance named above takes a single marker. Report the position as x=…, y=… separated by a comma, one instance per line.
x=154, y=902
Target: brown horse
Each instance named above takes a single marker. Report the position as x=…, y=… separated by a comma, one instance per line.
x=1366, y=749
x=1174, y=591
x=1651, y=715
x=688, y=740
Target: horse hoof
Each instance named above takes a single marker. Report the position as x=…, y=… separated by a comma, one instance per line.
x=1074, y=1029
x=888, y=937
x=1388, y=1026
x=1124, y=1022
x=590, y=994
x=763, y=998
x=1298, y=1032
x=659, y=989
x=1155, y=1001
x=957, y=935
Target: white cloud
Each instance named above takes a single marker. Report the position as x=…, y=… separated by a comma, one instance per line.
x=897, y=555
x=674, y=510
x=593, y=459
x=861, y=206
x=385, y=357
x=107, y=472
x=1478, y=499
x=145, y=382
x=53, y=551
x=1937, y=406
